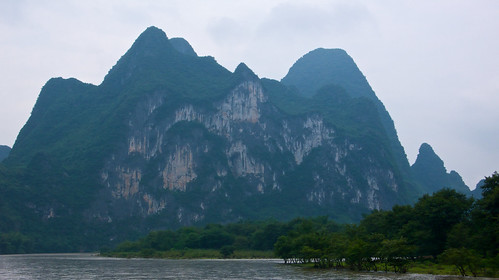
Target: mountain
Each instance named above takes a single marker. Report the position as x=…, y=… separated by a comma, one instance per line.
x=322, y=68
x=182, y=46
x=170, y=139
x=430, y=172
x=4, y=152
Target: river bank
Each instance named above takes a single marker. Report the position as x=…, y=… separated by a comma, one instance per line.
x=416, y=267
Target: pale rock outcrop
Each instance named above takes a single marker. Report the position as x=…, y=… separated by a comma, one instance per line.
x=179, y=170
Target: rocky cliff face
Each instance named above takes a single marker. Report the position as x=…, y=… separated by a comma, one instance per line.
x=237, y=156
x=171, y=139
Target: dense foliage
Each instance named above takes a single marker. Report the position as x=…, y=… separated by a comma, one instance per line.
x=259, y=236
x=446, y=227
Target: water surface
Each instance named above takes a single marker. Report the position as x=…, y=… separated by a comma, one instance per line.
x=88, y=266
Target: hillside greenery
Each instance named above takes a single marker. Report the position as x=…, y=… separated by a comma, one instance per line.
x=51, y=178
x=322, y=68
x=54, y=165
x=430, y=171
x=445, y=228
x=55, y=162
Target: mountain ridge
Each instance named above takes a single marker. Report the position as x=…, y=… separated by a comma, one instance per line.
x=170, y=139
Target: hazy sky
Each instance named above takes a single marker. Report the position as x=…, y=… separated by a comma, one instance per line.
x=434, y=64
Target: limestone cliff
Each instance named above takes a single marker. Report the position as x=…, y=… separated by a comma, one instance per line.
x=171, y=139
x=240, y=156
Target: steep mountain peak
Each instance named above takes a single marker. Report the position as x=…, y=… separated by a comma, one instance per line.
x=430, y=171
x=149, y=50
x=429, y=160
x=152, y=34
x=182, y=46
x=322, y=67
x=150, y=42
x=425, y=149
x=243, y=71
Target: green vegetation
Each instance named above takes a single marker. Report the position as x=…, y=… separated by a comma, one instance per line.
x=429, y=171
x=438, y=235
x=55, y=163
x=323, y=68
x=445, y=228
x=52, y=196
x=192, y=254
x=357, y=116
x=237, y=240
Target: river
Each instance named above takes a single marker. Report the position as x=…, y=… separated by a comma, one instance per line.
x=89, y=266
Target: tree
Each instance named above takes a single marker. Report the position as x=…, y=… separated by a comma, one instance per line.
x=462, y=235
x=283, y=248
x=226, y=251
x=486, y=216
x=435, y=216
x=338, y=244
x=463, y=259
x=160, y=240
x=490, y=192
x=356, y=254
x=395, y=253
x=214, y=237
x=264, y=239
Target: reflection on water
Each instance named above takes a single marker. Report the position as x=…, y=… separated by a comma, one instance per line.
x=88, y=266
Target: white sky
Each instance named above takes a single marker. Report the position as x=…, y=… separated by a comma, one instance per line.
x=434, y=64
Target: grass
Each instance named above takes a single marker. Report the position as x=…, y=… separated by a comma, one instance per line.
x=428, y=267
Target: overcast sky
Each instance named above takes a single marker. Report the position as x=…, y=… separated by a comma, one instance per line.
x=434, y=64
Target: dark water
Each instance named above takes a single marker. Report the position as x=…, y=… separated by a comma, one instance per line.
x=88, y=266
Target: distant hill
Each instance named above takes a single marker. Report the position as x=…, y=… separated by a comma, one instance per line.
x=477, y=192
x=431, y=173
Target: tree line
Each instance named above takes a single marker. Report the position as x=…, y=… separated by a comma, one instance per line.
x=244, y=235
x=445, y=227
